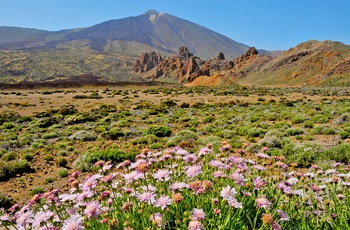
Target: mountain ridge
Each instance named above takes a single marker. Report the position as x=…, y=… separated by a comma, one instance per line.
x=109, y=50
x=161, y=31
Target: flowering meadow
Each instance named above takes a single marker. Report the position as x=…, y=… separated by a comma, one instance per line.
x=178, y=189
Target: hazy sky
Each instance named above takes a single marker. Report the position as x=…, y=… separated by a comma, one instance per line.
x=265, y=24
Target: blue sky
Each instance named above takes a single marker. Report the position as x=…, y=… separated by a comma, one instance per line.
x=265, y=24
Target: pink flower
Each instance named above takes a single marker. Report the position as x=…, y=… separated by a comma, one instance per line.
x=215, y=163
x=238, y=178
x=262, y=202
x=157, y=218
x=191, y=158
x=284, y=216
x=123, y=164
x=178, y=186
x=198, y=214
x=276, y=226
x=204, y=151
x=92, y=209
x=225, y=147
x=24, y=219
x=292, y=181
x=107, y=166
x=74, y=222
x=180, y=151
x=216, y=211
x=259, y=167
x=262, y=156
x=193, y=171
x=195, y=225
x=134, y=175
x=228, y=192
x=40, y=217
x=147, y=197
x=163, y=202
x=219, y=174
x=234, y=203
x=258, y=183
x=162, y=175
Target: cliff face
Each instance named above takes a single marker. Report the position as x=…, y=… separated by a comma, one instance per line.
x=185, y=67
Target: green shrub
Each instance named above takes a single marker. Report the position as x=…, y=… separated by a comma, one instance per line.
x=27, y=138
x=48, y=157
x=183, y=135
x=305, y=155
x=11, y=168
x=294, y=131
x=208, y=119
x=342, y=119
x=101, y=129
x=256, y=132
x=344, y=135
x=61, y=161
x=7, y=116
x=227, y=134
x=298, y=119
x=319, y=119
x=272, y=140
x=9, y=156
x=159, y=131
x=8, y=125
x=109, y=154
x=184, y=105
x=83, y=135
x=115, y=133
x=235, y=142
x=281, y=125
x=339, y=153
x=308, y=124
x=156, y=146
x=5, y=201
x=254, y=118
x=63, y=173
x=46, y=122
x=49, y=135
x=324, y=130
x=37, y=190
x=27, y=156
x=48, y=180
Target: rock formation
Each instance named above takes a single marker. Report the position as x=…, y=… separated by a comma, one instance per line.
x=146, y=62
x=185, y=67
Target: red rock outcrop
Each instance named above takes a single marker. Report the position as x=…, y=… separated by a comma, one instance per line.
x=147, y=62
x=185, y=67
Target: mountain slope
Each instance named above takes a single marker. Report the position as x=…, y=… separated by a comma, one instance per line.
x=309, y=63
x=162, y=32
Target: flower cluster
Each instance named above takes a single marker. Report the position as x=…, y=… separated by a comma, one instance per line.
x=176, y=189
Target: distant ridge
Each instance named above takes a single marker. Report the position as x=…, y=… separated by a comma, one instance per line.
x=150, y=30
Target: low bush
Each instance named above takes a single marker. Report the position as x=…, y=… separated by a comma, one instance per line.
x=183, y=135
x=305, y=155
x=159, y=131
x=115, y=133
x=83, y=135
x=324, y=130
x=294, y=132
x=8, y=169
x=110, y=154
x=339, y=153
